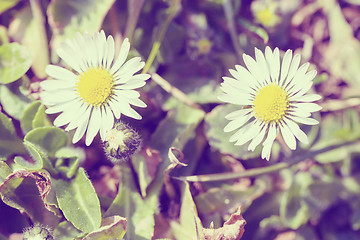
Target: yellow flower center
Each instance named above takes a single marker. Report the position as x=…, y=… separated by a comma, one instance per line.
x=204, y=46
x=267, y=17
x=95, y=86
x=271, y=104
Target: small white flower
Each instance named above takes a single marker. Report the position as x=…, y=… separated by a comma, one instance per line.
x=274, y=96
x=99, y=89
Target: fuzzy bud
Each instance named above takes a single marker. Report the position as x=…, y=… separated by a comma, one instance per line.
x=38, y=232
x=121, y=142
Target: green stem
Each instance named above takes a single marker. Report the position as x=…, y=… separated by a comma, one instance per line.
x=263, y=170
x=173, y=9
x=229, y=14
x=134, y=9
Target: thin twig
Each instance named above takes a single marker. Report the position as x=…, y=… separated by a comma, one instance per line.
x=337, y=105
x=175, y=92
x=134, y=9
x=260, y=171
x=229, y=14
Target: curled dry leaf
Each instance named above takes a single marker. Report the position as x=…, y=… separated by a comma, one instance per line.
x=233, y=229
x=13, y=181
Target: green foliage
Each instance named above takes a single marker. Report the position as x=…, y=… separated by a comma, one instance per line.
x=9, y=142
x=68, y=17
x=13, y=100
x=190, y=225
x=49, y=139
x=139, y=211
x=78, y=201
x=218, y=139
x=34, y=116
x=6, y=4
x=310, y=193
x=15, y=60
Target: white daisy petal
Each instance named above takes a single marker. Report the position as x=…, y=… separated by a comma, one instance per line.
x=260, y=59
x=265, y=153
x=94, y=125
x=288, y=136
x=254, y=68
x=102, y=89
x=239, y=122
x=257, y=140
x=114, y=105
x=82, y=115
x=276, y=93
x=60, y=73
x=124, y=51
x=285, y=66
x=80, y=131
x=125, y=108
x=238, y=114
x=131, y=85
x=137, y=102
x=307, y=98
x=293, y=68
x=67, y=115
x=250, y=133
x=240, y=132
x=65, y=54
x=110, y=53
x=295, y=129
x=52, y=85
x=310, y=107
x=306, y=121
x=244, y=76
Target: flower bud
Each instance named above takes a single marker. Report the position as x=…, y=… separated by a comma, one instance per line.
x=121, y=142
x=38, y=232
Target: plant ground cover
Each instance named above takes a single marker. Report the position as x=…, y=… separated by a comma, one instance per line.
x=184, y=179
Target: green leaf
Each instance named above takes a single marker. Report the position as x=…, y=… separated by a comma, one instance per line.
x=255, y=29
x=78, y=201
x=7, y=4
x=139, y=211
x=27, y=27
x=15, y=60
x=145, y=164
x=28, y=116
x=213, y=200
x=214, y=129
x=176, y=129
x=111, y=228
x=65, y=231
x=5, y=171
x=294, y=211
x=66, y=17
x=49, y=139
x=9, y=142
x=13, y=100
x=21, y=190
x=67, y=162
x=34, y=116
x=40, y=119
x=338, y=128
x=340, y=58
x=190, y=226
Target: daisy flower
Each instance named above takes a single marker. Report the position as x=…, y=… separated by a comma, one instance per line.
x=98, y=89
x=274, y=97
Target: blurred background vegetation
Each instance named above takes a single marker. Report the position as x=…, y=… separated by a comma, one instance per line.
x=310, y=193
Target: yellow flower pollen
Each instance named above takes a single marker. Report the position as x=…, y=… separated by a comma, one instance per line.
x=204, y=46
x=95, y=86
x=267, y=17
x=271, y=104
